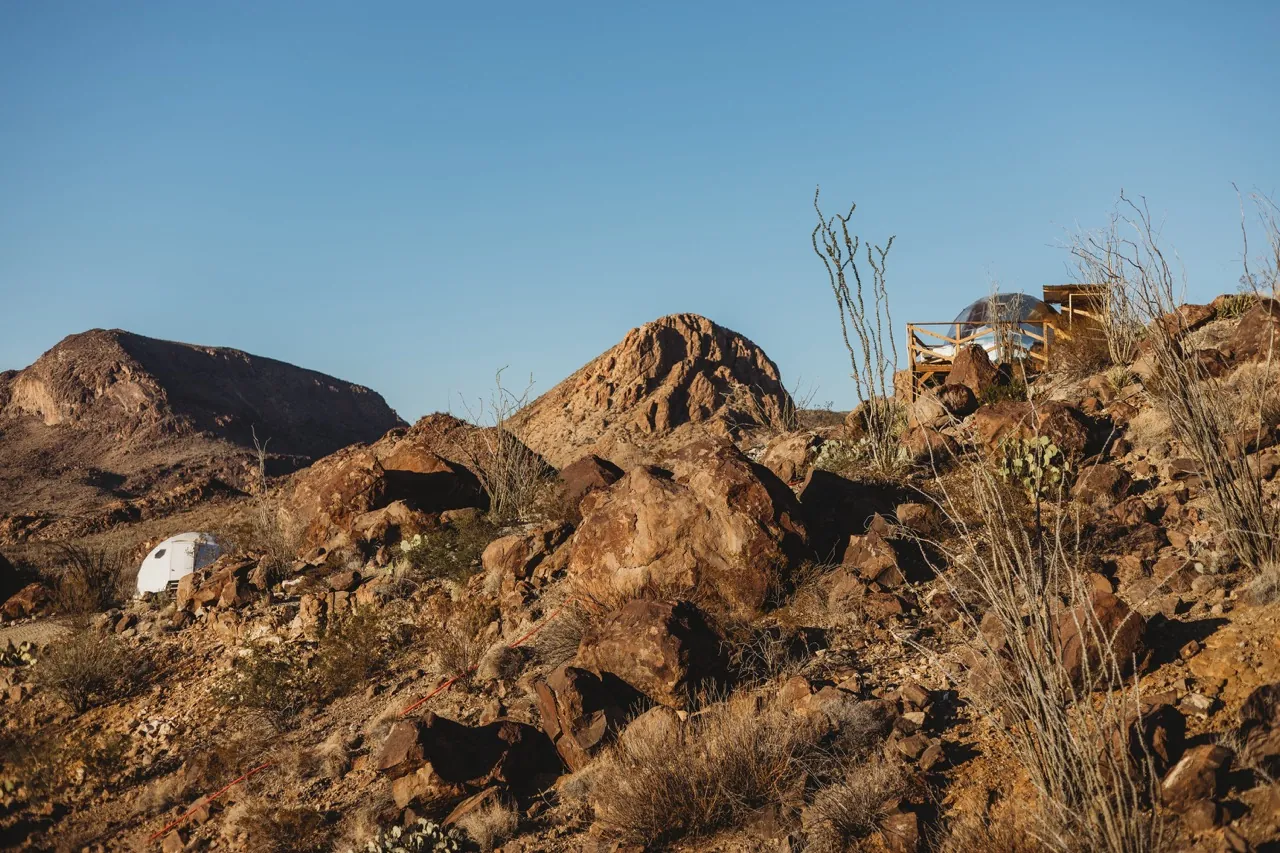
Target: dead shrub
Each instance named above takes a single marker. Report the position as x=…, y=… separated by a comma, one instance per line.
x=273, y=827
x=852, y=808
x=1253, y=396
x=88, y=669
x=267, y=681
x=491, y=826
x=1129, y=258
x=1082, y=354
x=88, y=580
x=727, y=761
x=354, y=648
x=457, y=638
x=511, y=473
x=1020, y=582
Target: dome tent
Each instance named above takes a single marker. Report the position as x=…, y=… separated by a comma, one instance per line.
x=175, y=558
x=975, y=322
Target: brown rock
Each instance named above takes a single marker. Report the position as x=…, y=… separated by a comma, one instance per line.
x=580, y=710
x=715, y=522
x=921, y=519
x=901, y=832
x=665, y=650
x=32, y=600
x=925, y=446
x=504, y=752
x=1260, y=728
x=790, y=455
x=1080, y=629
x=1158, y=734
x=973, y=369
x=1199, y=775
x=1101, y=486
x=670, y=376
x=1065, y=425
x=874, y=557
x=585, y=476
x=514, y=557
x=1254, y=335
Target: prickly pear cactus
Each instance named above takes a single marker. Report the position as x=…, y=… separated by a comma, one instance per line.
x=1037, y=463
x=422, y=837
x=24, y=654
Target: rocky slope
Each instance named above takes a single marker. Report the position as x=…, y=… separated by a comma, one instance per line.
x=711, y=654
x=660, y=384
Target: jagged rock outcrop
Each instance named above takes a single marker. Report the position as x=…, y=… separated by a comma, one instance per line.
x=672, y=375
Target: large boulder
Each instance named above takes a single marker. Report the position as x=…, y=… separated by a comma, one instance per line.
x=663, y=649
x=33, y=599
x=330, y=495
x=435, y=757
x=973, y=369
x=712, y=522
x=837, y=508
x=580, y=711
x=1065, y=425
x=790, y=455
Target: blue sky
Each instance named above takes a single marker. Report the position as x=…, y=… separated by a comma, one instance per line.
x=412, y=195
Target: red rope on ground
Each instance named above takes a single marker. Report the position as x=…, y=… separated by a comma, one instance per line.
x=208, y=799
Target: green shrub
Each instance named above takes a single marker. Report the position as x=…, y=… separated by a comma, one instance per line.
x=452, y=553
x=267, y=680
x=353, y=649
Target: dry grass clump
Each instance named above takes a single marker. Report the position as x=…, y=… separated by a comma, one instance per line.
x=457, y=636
x=491, y=826
x=271, y=827
x=88, y=669
x=854, y=807
x=559, y=639
x=88, y=580
x=709, y=774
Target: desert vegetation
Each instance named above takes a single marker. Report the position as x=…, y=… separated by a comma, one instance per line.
x=665, y=607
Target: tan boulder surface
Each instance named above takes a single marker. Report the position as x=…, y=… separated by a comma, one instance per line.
x=713, y=522
x=663, y=378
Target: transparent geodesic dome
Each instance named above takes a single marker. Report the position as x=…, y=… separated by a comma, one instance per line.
x=1006, y=325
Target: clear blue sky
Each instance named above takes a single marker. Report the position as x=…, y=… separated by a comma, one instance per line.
x=412, y=195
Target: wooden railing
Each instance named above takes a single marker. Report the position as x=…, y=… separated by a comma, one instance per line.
x=923, y=339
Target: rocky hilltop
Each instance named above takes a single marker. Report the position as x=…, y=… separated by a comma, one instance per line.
x=109, y=426
x=122, y=384
x=660, y=384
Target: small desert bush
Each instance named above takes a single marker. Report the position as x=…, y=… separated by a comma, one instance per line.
x=559, y=639
x=852, y=808
x=491, y=826
x=354, y=648
x=272, y=827
x=88, y=669
x=88, y=580
x=1010, y=391
x=727, y=761
x=1235, y=306
x=457, y=637
x=1253, y=396
x=265, y=680
x=452, y=552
